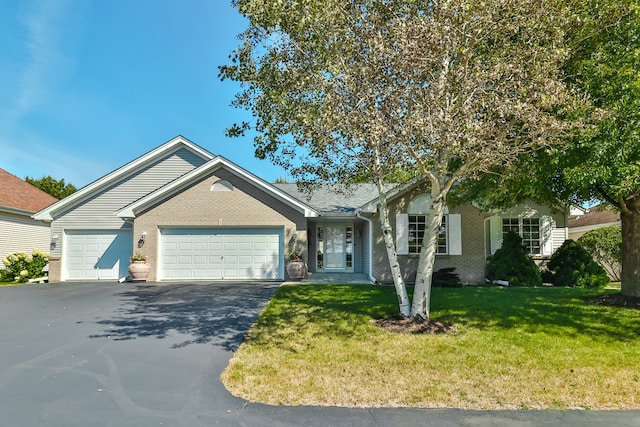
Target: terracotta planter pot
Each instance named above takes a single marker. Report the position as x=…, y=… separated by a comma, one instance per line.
x=139, y=271
x=297, y=270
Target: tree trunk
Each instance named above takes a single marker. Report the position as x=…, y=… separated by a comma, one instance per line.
x=392, y=255
x=422, y=292
x=630, y=252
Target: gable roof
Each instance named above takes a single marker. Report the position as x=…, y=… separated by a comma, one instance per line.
x=597, y=215
x=87, y=191
x=187, y=179
x=19, y=196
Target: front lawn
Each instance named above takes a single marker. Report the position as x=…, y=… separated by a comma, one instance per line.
x=514, y=348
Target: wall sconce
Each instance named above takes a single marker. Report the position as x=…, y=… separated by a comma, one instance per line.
x=54, y=241
x=142, y=239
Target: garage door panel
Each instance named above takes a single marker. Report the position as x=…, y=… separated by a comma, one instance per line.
x=228, y=254
x=96, y=254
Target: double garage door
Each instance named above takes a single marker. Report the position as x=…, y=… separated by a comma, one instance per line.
x=200, y=254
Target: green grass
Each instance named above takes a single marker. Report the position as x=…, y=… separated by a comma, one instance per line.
x=515, y=348
x=10, y=283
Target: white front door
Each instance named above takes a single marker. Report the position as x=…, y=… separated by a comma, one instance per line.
x=335, y=247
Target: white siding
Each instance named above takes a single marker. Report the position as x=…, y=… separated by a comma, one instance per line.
x=98, y=212
x=558, y=236
x=22, y=234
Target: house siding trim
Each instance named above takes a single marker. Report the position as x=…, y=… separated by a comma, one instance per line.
x=199, y=173
x=120, y=174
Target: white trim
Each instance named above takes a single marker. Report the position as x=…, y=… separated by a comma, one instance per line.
x=212, y=165
x=86, y=192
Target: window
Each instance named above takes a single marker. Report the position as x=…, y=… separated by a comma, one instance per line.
x=417, y=225
x=528, y=229
x=222, y=185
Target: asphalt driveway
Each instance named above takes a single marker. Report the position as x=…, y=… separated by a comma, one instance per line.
x=103, y=354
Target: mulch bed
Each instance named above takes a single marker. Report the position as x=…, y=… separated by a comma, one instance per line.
x=414, y=325
x=617, y=300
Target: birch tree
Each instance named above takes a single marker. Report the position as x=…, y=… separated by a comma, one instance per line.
x=449, y=89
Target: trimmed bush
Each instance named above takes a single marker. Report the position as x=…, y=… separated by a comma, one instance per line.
x=512, y=263
x=20, y=266
x=571, y=265
x=605, y=246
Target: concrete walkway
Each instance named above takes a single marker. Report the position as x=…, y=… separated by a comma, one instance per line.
x=104, y=354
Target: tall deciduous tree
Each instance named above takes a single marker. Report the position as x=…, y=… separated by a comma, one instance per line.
x=57, y=188
x=601, y=161
x=447, y=88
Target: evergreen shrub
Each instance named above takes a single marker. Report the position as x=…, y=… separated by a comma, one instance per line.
x=512, y=263
x=571, y=265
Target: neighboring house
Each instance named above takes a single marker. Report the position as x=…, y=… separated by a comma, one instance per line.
x=18, y=201
x=595, y=217
x=201, y=217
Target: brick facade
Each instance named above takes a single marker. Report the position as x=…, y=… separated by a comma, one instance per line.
x=197, y=206
x=469, y=266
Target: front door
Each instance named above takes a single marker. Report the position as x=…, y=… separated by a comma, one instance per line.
x=335, y=247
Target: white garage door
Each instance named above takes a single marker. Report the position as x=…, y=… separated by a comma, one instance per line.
x=96, y=255
x=221, y=254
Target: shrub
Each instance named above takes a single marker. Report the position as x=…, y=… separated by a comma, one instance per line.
x=512, y=263
x=605, y=246
x=20, y=266
x=446, y=278
x=571, y=265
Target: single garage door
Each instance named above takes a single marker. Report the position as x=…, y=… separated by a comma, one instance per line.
x=200, y=254
x=96, y=255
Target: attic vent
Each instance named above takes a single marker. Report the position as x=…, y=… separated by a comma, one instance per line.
x=222, y=186
x=420, y=205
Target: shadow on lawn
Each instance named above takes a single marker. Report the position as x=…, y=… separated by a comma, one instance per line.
x=341, y=310
x=554, y=311
x=219, y=314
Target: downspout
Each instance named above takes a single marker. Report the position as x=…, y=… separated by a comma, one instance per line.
x=370, y=255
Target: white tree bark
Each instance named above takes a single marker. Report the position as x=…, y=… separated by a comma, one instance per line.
x=387, y=232
x=422, y=291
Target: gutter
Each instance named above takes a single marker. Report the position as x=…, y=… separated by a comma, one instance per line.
x=370, y=222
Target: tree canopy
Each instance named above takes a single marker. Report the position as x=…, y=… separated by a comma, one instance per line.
x=57, y=188
x=350, y=89
x=599, y=161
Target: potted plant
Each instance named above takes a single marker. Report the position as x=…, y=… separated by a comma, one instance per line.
x=139, y=269
x=296, y=268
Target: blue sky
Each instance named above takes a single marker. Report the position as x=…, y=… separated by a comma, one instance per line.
x=89, y=85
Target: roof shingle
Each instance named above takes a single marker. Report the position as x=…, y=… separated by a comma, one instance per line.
x=18, y=194
x=596, y=215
